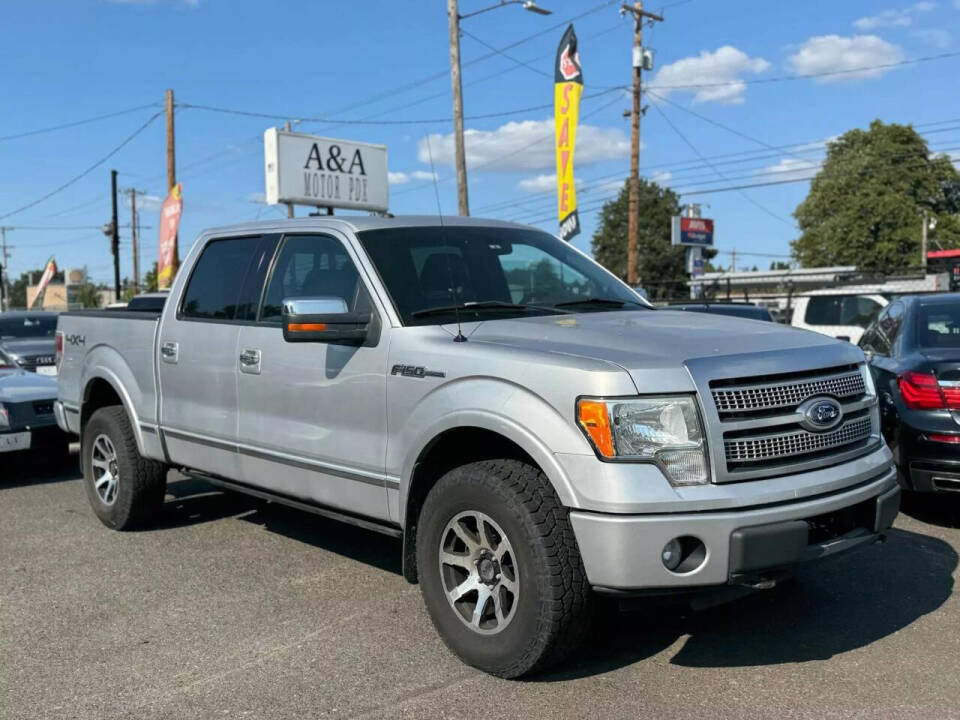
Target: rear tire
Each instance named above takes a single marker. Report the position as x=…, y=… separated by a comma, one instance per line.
x=124, y=488
x=539, y=606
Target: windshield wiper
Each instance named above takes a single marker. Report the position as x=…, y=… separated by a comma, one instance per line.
x=478, y=305
x=603, y=302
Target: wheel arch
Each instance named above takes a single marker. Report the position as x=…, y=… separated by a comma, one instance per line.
x=481, y=437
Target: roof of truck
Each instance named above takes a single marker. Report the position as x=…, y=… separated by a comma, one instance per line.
x=358, y=223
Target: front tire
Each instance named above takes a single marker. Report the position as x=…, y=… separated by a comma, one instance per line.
x=499, y=568
x=124, y=488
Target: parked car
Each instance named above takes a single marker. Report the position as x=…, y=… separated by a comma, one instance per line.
x=732, y=309
x=27, y=422
x=148, y=302
x=840, y=315
x=913, y=349
x=27, y=336
x=529, y=426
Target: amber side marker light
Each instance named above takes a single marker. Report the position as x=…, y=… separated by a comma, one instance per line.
x=595, y=420
x=306, y=327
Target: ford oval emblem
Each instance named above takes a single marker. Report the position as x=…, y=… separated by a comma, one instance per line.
x=821, y=413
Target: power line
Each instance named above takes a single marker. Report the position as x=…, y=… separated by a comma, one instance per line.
x=87, y=171
x=76, y=123
x=805, y=76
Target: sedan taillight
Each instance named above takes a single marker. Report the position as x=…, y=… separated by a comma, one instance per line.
x=922, y=391
x=59, y=357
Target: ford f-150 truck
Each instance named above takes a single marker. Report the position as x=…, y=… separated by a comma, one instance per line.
x=532, y=429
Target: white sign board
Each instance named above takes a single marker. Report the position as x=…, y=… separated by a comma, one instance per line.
x=310, y=170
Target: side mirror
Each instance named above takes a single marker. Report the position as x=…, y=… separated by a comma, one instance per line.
x=323, y=319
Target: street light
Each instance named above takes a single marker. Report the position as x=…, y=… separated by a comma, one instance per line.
x=455, y=17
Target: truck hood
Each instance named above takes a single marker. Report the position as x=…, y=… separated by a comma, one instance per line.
x=661, y=343
x=26, y=387
x=29, y=347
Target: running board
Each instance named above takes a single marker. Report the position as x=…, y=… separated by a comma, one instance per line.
x=316, y=509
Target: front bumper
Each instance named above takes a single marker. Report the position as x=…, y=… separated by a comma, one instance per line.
x=623, y=552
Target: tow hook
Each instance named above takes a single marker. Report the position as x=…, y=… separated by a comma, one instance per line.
x=755, y=582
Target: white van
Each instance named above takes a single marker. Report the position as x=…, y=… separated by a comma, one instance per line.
x=837, y=314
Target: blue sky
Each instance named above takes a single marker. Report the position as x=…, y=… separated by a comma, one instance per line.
x=75, y=59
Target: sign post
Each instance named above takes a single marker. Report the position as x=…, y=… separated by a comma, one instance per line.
x=694, y=233
x=310, y=170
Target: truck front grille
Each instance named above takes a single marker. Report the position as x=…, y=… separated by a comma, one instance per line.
x=764, y=432
x=787, y=394
x=797, y=442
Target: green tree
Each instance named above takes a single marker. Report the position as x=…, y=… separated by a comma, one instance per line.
x=663, y=271
x=865, y=205
x=88, y=295
x=779, y=265
x=150, y=280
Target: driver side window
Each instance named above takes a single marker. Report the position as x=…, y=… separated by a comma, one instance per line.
x=313, y=266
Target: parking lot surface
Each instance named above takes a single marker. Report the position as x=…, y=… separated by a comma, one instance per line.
x=236, y=608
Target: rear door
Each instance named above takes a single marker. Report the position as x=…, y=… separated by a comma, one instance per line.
x=312, y=422
x=198, y=352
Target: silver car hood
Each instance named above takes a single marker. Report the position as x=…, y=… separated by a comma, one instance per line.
x=658, y=347
x=18, y=387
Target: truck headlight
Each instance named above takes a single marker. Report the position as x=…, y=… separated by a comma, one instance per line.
x=663, y=430
x=4, y=417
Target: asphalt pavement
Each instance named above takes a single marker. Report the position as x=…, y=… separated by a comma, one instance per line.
x=235, y=608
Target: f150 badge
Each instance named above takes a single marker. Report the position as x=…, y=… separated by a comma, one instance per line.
x=415, y=371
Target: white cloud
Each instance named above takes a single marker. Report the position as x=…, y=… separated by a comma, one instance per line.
x=423, y=175
x=524, y=146
x=830, y=53
x=935, y=37
x=398, y=178
x=538, y=184
x=789, y=168
x=720, y=72
x=662, y=177
x=894, y=18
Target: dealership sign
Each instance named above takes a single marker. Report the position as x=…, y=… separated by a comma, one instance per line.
x=692, y=231
x=310, y=170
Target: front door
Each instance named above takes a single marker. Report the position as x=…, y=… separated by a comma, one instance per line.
x=312, y=421
x=198, y=354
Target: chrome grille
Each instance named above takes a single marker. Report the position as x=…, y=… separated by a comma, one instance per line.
x=787, y=394
x=796, y=442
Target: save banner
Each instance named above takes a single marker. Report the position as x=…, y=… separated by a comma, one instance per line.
x=567, y=89
x=48, y=272
x=170, y=213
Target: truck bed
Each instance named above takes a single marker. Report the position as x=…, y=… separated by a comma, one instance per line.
x=112, y=346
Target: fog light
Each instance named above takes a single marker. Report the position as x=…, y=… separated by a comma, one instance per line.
x=672, y=554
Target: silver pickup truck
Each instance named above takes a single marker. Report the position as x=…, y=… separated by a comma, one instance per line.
x=533, y=430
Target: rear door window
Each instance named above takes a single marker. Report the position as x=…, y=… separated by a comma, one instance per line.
x=938, y=325
x=841, y=310
x=227, y=279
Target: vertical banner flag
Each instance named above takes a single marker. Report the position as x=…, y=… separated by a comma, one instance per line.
x=169, y=222
x=567, y=89
x=48, y=272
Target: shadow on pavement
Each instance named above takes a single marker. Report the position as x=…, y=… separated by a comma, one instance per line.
x=192, y=501
x=35, y=468
x=941, y=509
x=827, y=610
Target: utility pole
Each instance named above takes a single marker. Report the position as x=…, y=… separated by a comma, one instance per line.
x=289, y=205
x=639, y=17
x=733, y=260
x=172, y=171
x=923, y=242
x=4, y=271
x=135, y=236
x=115, y=236
x=453, y=15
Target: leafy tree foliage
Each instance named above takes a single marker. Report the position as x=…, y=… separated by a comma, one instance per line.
x=150, y=280
x=663, y=272
x=865, y=205
x=88, y=295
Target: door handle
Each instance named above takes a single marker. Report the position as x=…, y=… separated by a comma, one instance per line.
x=170, y=352
x=250, y=362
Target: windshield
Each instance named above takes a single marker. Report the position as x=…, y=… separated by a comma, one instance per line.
x=938, y=326
x=28, y=326
x=484, y=273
